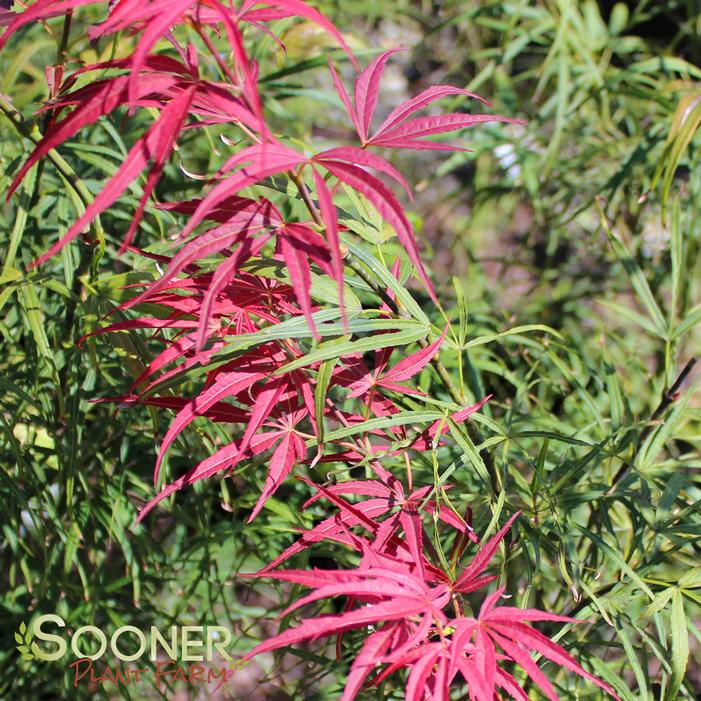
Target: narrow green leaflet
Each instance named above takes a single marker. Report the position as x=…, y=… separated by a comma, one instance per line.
x=411, y=332
x=617, y=558
x=468, y=447
x=680, y=646
x=323, y=377
x=515, y=331
x=656, y=441
x=637, y=279
x=401, y=418
x=386, y=279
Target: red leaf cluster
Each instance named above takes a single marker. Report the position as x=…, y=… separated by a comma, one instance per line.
x=399, y=599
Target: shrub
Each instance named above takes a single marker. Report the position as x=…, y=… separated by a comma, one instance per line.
x=292, y=314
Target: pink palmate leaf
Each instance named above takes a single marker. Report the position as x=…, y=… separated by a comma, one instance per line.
x=239, y=217
x=385, y=501
x=222, y=459
x=405, y=369
x=396, y=131
x=506, y=629
x=466, y=581
x=289, y=451
x=384, y=594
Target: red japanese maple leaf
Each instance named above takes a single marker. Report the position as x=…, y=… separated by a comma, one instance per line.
x=397, y=131
x=506, y=628
x=405, y=608
x=365, y=383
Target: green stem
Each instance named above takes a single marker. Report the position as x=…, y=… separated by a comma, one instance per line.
x=296, y=178
x=62, y=55
x=34, y=135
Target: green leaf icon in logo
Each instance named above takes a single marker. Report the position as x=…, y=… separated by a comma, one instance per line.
x=23, y=638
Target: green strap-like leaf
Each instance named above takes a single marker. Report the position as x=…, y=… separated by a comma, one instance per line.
x=680, y=646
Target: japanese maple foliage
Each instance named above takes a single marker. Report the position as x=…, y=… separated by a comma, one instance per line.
x=403, y=598
x=259, y=295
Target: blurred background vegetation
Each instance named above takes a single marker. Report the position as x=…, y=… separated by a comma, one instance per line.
x=587, y=220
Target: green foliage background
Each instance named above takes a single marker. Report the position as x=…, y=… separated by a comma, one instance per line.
x=579, y=235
